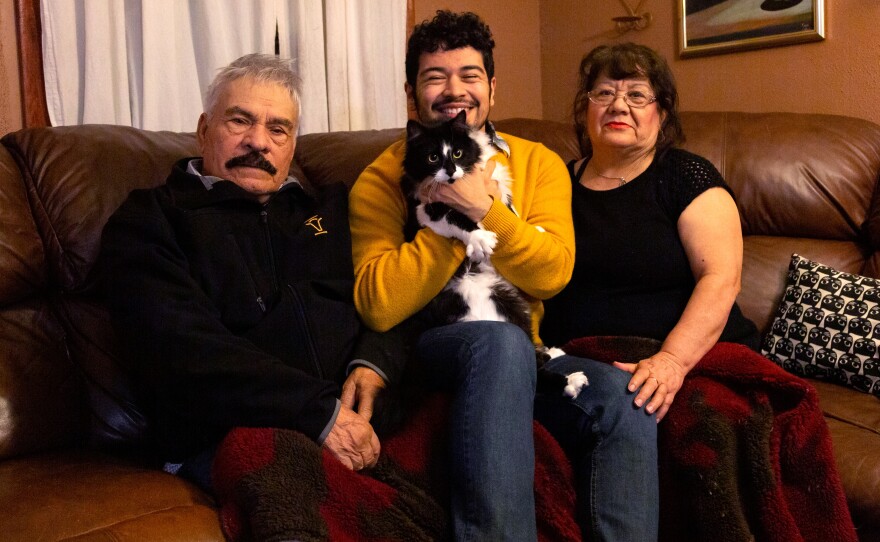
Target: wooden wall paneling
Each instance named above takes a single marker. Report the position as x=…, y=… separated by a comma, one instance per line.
x=33, y=89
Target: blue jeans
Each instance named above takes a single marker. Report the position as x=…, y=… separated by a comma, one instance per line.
x=613, y=449
x=489, y=367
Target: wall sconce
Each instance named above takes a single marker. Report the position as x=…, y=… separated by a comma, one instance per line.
x=634, y=20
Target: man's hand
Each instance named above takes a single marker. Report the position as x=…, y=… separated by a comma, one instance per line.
x=472, y=194
x=360, y=390
x=352, y=440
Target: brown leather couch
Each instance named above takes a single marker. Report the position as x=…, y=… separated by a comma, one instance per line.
x=74, y=462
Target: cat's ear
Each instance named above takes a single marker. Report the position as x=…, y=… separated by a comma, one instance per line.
x=461, y=118
x=413, y=129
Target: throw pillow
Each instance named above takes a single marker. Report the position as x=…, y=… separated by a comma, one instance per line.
x=828, y=326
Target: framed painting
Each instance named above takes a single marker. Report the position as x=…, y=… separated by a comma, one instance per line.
x=711, y=27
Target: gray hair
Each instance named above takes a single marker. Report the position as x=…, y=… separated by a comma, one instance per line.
x=263, y=68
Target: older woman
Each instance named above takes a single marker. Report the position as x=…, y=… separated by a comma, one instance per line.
x=659, y=246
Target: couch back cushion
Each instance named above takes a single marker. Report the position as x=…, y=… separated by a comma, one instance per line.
x=793, y=175
x=77, y=176
x=34, y=415
x=804, y=184
x=54, y=335
x=341, y=156
x=22, y=259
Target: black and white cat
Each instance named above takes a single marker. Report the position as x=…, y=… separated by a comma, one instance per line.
x=443, y=153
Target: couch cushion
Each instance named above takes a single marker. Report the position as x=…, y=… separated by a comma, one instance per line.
x=765, y=267
x=823, y=167
x=559, y=137
x=41, y=403
x=85, y=497
x=854, y=422
x=22, y=260
x=75, y=177
x=78, y=176
x=341, y=156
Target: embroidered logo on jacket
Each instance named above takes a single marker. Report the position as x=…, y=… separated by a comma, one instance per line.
x=315, y=222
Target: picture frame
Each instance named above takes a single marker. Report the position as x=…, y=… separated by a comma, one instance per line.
x=709, y=27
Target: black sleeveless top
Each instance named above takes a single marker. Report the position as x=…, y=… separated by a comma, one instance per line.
x=631, y=273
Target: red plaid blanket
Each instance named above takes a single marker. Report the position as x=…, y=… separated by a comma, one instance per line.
x=276, y=484
x=745, y=455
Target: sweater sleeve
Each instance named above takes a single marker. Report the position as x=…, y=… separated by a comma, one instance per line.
x=538, y=262
x=394, y=279
x=205, y=379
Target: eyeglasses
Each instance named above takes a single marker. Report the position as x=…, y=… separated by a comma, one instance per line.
x=633, y=98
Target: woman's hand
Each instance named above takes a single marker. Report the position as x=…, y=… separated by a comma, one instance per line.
x=657, y=380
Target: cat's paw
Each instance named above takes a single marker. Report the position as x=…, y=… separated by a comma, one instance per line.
x=554, y=352
x=481, y=245
x=576, y=382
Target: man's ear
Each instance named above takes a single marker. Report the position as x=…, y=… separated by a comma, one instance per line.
x=410, y=96
x=202, y=129
x=411, y=107
x=492, y=92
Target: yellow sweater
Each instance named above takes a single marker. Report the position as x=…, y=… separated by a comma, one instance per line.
x=395, y=279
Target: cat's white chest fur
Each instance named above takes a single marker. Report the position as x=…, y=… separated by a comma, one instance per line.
x=476, y=289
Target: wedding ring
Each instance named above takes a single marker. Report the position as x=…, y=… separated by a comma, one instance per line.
x=654, y=378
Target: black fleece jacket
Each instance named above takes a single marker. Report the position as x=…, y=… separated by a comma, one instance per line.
x=236, y=313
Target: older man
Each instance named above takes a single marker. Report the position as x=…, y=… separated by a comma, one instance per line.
x=232, y=286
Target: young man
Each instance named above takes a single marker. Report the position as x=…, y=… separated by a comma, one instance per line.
x=489, y=367
x=231, y=286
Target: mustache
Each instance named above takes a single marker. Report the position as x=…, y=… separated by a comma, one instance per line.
x=252, y=159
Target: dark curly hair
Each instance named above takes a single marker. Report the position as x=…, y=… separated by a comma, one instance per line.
x=623, y=61
x=448, y=31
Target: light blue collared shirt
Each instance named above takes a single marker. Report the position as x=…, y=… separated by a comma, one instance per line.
x=496, y=140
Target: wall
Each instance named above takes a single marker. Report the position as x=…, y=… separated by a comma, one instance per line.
x=839, y=75
x=516, y=29
x=10, y=92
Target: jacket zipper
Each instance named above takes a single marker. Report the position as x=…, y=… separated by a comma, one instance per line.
x=264, y=221
x=303, y=325
x=257, y=294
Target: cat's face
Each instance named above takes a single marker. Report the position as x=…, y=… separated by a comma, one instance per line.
x=440, y=153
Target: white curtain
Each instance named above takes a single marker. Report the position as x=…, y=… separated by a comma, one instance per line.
x=147, y=63
x=364, y=63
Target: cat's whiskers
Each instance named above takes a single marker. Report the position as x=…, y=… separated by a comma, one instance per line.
x=432, y=189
